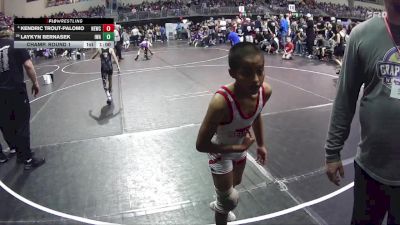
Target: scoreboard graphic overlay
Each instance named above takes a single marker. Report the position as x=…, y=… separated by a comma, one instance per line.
x=63, y=33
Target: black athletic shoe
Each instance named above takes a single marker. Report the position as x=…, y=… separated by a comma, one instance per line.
x=3, y=158
x=33, y=163
x=137, y=57
x=20, y=160
x=13, y=152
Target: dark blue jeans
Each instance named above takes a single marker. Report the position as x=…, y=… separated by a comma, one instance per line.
x=373, y=199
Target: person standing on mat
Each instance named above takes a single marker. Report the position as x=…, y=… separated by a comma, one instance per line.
x=107, y=69
x=225, y=131
x=118, y=41
x=145, y=47
x=340, y=46
x=15, y=109
x=372, y=59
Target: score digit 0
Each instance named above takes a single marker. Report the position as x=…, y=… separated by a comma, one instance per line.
x=108, y=36
x=108, y=27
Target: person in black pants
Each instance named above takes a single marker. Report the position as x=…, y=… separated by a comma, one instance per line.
x=371, y=60
x=14, y=103
x=310, y=33
x=118, y=42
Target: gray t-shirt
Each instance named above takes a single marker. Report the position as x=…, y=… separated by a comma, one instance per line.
x=372, y=59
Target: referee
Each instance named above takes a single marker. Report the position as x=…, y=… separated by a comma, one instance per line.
x=14, y=103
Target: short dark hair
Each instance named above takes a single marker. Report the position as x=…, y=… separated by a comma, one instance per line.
x=240, y=51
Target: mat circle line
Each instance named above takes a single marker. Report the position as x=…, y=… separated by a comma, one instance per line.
x=190, y=63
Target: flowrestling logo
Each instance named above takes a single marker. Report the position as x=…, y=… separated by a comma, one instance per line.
x=389, y=68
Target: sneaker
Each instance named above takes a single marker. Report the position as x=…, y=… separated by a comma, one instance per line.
x=12, y=151
x=137, y=57
x=231, y=215
x=33, y=163
x=3, y=158
x=21, y=160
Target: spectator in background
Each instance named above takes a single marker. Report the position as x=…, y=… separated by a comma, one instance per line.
x=284, y=29
x=248, y=31
x=135, y=36
x=163, y=34
x=258, y=23
x=118, y=41
x=234, y=38
x=334, y=24
x=272, y=29
x=289, y=48
x=340, y=46
x=321, y=26
x=294, y=28
x=158, y=32
x=259, y=37
x=125, y=39
x=329, y=33
x=179, y=30
x=273, y=44
x=288, y=16
x=211, y=31
x=222, y=27
x=300, y=42
x=310, y=34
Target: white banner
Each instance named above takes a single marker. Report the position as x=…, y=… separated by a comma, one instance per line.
x=170, y=29
x=292, y=8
